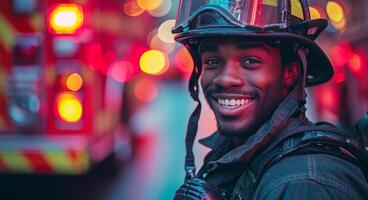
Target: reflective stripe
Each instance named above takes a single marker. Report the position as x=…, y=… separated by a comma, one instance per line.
x=37, y=161
x=270, y=2
x=296, y=9
x=59, y=161
x=63, y=162
x=55, y=161
x=15, y=161
x=7, y=33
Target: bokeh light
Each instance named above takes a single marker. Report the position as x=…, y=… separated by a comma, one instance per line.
x=149, y=4
x=74, y=82
x=184, y=62
x=122, y=71
x=66, y=18
x=153, y=62
x=340, y=54
x=163, y=10
x=355, y=63
x=145, y=90
x=157, y=44
x=164, y=31
x=131, y=8
x=335, y=11
x=69, y=107
x=315, y=13
x=339, y=25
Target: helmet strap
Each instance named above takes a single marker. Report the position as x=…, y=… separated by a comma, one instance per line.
x=190, y=168
x=302, y=95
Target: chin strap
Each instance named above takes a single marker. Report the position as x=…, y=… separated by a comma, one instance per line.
x=190, y=168
x=302, y=95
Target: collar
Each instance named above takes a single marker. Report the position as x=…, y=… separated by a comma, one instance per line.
x=213, y=140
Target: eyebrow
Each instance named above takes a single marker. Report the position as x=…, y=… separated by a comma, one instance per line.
x=209, y=48
x=252, y=45
x=241, y=46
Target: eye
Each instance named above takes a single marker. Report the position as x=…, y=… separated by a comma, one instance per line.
x=212, y=62
x=250, y=63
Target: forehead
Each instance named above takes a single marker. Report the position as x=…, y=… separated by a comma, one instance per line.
x=213, y=45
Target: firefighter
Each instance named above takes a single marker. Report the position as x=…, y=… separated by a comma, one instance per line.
x=254, y=59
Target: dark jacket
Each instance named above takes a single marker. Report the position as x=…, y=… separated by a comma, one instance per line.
x=310, y=176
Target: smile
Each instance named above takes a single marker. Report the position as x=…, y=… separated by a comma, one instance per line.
x=231, y=104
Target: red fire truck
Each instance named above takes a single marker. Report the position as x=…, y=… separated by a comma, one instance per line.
x=59, y=113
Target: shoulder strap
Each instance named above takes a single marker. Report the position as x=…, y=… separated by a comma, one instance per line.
x=310, y=140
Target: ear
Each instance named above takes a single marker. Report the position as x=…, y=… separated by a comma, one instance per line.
x=290, y=74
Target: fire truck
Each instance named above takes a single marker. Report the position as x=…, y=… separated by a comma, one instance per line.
x=59, y=110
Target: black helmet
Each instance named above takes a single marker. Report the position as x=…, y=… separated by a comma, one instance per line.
x=287, y=20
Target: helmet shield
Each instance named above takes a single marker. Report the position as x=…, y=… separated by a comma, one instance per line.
x=241, y=13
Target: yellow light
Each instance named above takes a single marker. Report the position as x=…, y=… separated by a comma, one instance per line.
x=132, y=9
x=153, y=62
x=69, y=107
x=335, y=11
x=163, y=10
x=164, y=31
x=66, y=18
x=314, y=12
x=149, y=4
x=339, y=25
x=74, y=82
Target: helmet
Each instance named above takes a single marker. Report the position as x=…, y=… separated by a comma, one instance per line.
x=287, y=20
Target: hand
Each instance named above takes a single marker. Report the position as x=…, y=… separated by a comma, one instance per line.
x=197, y=189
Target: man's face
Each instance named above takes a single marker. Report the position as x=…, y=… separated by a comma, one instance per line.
x=243, y=83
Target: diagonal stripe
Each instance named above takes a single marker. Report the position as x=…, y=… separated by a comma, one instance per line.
x=7, y=33
x=2, y=80
x=37, y=160
x=2, y=164
x=59, y=161
x=15, y=161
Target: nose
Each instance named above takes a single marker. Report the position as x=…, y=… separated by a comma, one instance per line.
x=230, y=76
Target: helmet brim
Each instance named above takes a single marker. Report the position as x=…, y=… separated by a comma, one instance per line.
x=319, y=69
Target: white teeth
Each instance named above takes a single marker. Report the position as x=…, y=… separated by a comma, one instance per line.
x=233, y=102
x=227, y=102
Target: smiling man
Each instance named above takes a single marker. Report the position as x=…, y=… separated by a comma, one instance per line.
x=254, y=59
x=244, y=82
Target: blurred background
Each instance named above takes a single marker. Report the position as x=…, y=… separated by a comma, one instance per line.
x=94, y=101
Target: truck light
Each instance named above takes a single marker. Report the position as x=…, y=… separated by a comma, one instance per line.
x=66, y=19
x=74, y=82
x=69, y=107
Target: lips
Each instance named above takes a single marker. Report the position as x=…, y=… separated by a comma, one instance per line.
x=231, y=104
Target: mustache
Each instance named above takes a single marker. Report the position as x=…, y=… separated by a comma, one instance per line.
x=238, y=91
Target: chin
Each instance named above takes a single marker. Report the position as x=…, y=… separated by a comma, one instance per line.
x=235, y=132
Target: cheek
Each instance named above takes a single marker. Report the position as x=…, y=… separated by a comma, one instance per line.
x=269, y=83
x=206, y=80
